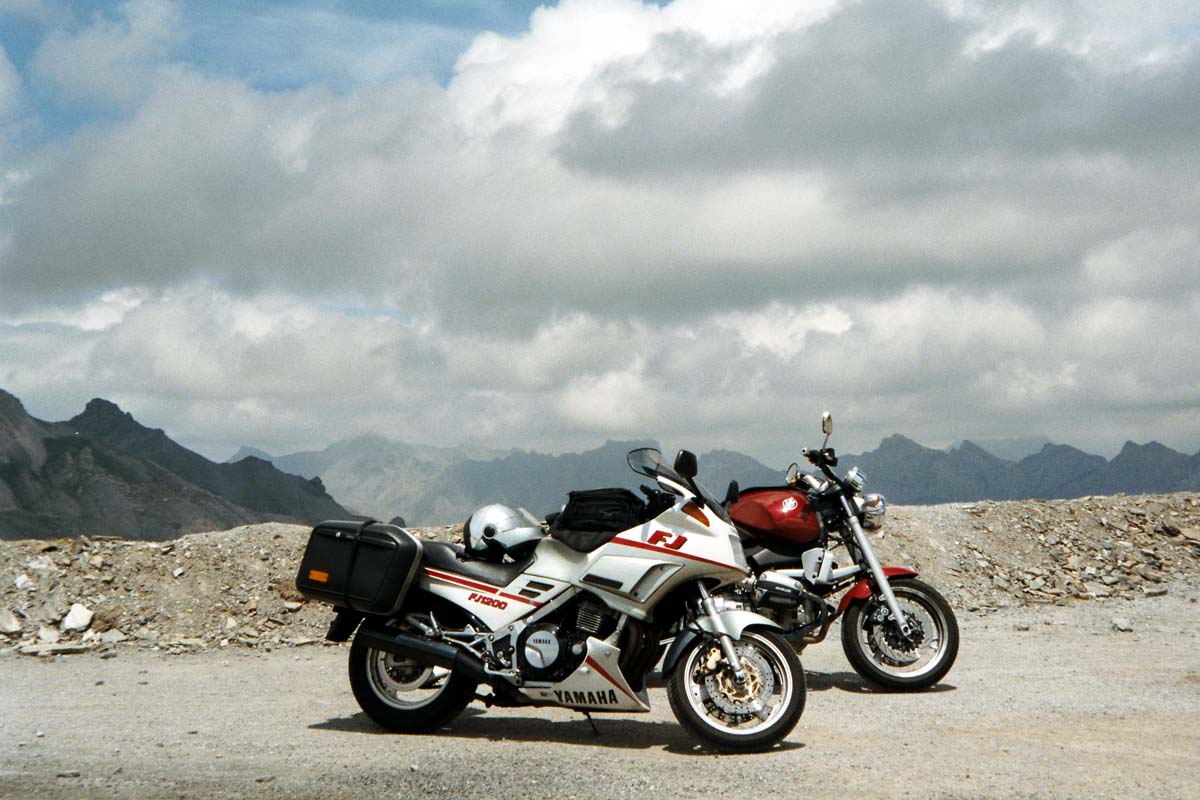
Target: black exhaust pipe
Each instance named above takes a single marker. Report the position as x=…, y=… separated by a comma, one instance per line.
x=424, y=651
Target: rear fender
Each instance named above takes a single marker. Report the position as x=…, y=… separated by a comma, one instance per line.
x=343, y=625
x=862, y=589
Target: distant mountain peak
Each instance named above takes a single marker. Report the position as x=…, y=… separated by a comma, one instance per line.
x=104, y=415
x=10, y=404
x=1131, y=447
x=249, y=452
x=99, y=407
x=967, y=447
x=899, y=441
x=1006, y=448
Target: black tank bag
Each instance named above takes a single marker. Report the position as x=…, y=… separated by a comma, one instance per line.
x=592, y=517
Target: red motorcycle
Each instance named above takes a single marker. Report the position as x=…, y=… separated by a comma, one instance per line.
x=898, y=632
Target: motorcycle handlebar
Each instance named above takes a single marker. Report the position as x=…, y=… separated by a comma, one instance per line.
x=822, y=460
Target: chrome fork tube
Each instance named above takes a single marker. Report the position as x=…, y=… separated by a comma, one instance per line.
x=864, y=547
x=710, y=609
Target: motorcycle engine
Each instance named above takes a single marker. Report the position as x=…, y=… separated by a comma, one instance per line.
x=541, y=648
x=550, y=651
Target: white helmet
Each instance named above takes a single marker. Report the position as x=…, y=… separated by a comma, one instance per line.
x=495, y=531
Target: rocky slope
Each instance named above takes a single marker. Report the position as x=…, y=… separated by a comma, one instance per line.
x=235, y=588
x=104, y=473
x=251, y=483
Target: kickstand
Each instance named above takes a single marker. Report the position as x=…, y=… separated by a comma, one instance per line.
x=592, y=722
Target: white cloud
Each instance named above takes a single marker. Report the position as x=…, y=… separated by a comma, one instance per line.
x=577, y=54
x=1153, y=262
x=1100, y=30
x=111, y=61
x=619, y=400
x=783, y=331
x=690, y=222
x=220, y=370
x=97, y=314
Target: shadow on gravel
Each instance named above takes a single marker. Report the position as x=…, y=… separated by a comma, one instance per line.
x=361, y=723
x=851, y=682
x=618, y=733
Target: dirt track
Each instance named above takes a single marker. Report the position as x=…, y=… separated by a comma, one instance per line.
x=1065, y=708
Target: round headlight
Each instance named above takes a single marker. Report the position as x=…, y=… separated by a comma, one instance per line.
x=855, y=478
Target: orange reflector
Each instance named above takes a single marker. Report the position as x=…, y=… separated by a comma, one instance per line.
x=318, y=576
x=693, y=511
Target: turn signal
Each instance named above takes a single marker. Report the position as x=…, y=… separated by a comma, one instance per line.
x=317, y=576
x=692, y=510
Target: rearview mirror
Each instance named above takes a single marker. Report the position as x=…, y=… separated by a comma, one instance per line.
x=685, y=464
x=826, y=423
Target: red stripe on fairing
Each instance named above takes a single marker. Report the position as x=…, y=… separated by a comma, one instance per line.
x=665, y=551
x=483, y=587
x=591, y=662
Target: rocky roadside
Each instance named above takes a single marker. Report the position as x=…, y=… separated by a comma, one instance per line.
x=994, y=554
x=235, y=588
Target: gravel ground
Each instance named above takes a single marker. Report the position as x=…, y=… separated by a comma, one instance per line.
x=1044, y=701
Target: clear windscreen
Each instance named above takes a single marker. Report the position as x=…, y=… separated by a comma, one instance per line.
x=649, y=461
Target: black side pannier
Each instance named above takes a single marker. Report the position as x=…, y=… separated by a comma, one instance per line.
x=592, y=517
x=364, y=566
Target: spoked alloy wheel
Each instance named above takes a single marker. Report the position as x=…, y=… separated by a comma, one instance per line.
x=739, y=717
x=880, y=654
x=403, y=695
x=402, y=683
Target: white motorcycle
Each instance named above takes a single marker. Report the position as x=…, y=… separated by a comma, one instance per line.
x=576, y=617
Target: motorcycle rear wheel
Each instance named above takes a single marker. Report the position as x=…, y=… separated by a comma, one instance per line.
x=879, y=655
x=739, y=718
x=403, y=695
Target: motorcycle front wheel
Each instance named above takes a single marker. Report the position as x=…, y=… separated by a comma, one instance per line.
x=403, y=695
x=883, y=657
x=737, y=717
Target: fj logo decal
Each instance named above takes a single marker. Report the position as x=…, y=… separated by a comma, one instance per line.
x=671, y=541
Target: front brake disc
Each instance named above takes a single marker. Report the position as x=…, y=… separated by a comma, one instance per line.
x=745, y=698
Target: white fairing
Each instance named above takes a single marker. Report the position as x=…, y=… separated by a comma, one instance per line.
x=596, y=684
x=629, y=574
x=495, y=606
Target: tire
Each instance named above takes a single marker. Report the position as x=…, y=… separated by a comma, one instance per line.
x=876, y=652
x=402, y=695
x=701, y=691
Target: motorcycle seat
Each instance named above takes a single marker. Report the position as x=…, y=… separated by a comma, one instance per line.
x=450, y=558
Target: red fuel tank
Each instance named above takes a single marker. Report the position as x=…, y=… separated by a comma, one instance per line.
x=777, y=516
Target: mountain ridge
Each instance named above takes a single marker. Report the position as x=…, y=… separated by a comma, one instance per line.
x=103, y=473
x=900, y=468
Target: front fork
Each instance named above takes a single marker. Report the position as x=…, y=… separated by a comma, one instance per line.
x=710, y=609
x=876, y=569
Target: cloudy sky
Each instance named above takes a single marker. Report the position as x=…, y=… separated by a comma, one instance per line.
x=472, y=221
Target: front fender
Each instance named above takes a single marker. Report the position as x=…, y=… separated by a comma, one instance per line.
x=733, y=622
x=862, y=589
